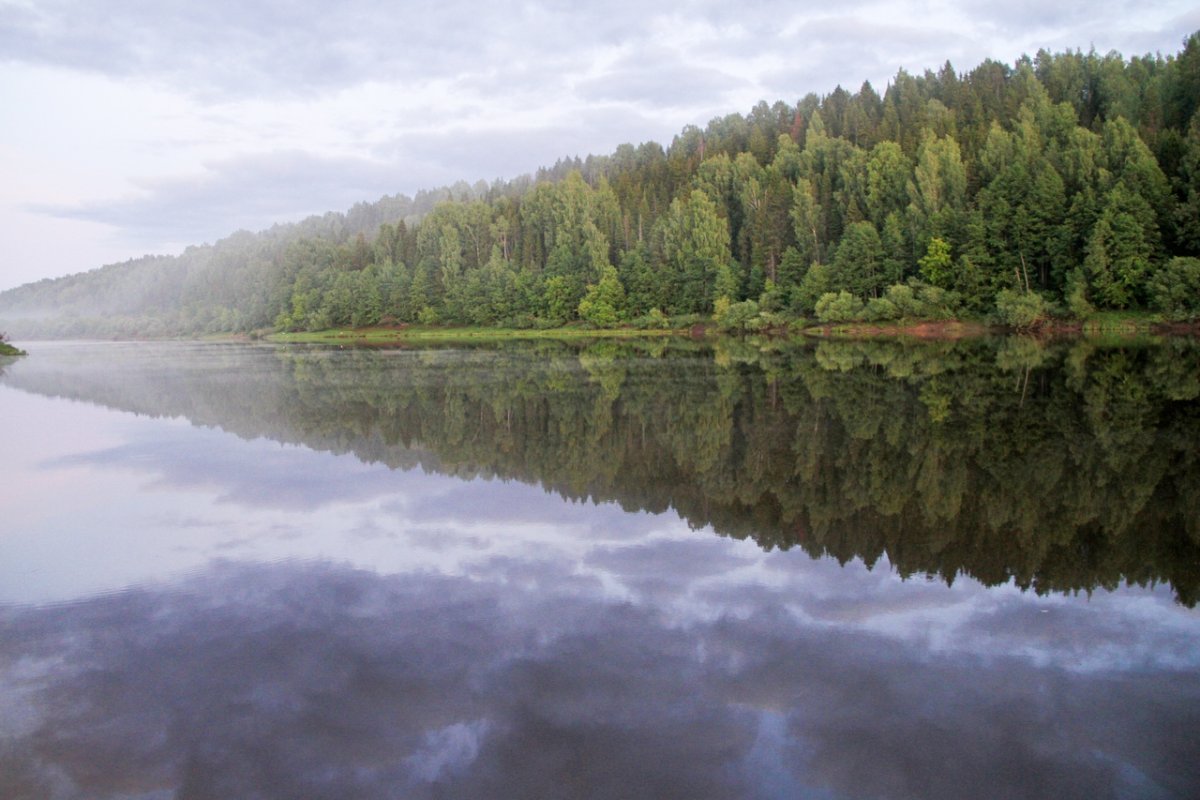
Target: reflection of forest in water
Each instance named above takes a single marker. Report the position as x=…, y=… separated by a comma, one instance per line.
x=1063, y=467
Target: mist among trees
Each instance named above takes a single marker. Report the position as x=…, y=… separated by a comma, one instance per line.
x=1066, y=183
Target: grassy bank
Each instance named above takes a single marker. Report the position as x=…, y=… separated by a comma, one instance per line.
x=1104, y=322
x=438, y=334
x=7, y=349
x=1108, y=324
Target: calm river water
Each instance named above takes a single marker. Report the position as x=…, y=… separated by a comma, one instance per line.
x=604, y=570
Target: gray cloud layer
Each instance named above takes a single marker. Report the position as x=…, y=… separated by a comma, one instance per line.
x=307, y=680
x=493, y=89
x=303, y=47
x=239, y=48
x=249, y=192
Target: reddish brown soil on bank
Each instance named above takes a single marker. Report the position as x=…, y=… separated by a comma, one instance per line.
x=943, y=330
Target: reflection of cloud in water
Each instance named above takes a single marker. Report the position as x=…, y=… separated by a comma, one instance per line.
x=667, y=569
x=509, y=501
x=1110, y=630
x=153, y=498
x=262, y=474
x=258, y=473
x=316, y=681
x=447, y=750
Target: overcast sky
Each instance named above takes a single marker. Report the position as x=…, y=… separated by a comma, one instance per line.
x=141, y=126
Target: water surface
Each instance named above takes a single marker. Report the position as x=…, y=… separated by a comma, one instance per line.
x=600, y=570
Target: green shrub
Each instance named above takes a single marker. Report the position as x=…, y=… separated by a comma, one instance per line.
x=772, y=319
x=1020, y=310
x=880, y=309
x=687, y=320
x=840, y=307
x=937, y=303
x=520, y=320
x=654, y=319
x=904, y=299
x=740, y=317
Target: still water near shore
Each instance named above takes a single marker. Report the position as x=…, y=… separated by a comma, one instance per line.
x=612, y=569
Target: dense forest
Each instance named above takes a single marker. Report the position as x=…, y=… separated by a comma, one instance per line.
x=1060, y=468
x=1064, y=184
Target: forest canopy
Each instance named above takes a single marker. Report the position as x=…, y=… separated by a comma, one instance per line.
x=1065, y=183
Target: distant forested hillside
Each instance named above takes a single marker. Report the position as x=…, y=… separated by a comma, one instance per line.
x=1066, y=183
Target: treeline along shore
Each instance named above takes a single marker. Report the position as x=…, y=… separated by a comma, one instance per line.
x=1062, y=186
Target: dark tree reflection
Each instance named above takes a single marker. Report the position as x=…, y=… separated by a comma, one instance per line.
x=1062, y=467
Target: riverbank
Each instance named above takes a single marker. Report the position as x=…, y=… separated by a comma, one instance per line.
x=1107, y=324
x=368, y=336
x=939, y=330
x=7, y=349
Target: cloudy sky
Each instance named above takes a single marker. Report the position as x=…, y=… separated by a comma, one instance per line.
x=140, y=126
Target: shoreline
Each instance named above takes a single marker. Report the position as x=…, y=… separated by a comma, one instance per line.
x=1117, y=326
x=922, y=330
x=387, y=335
